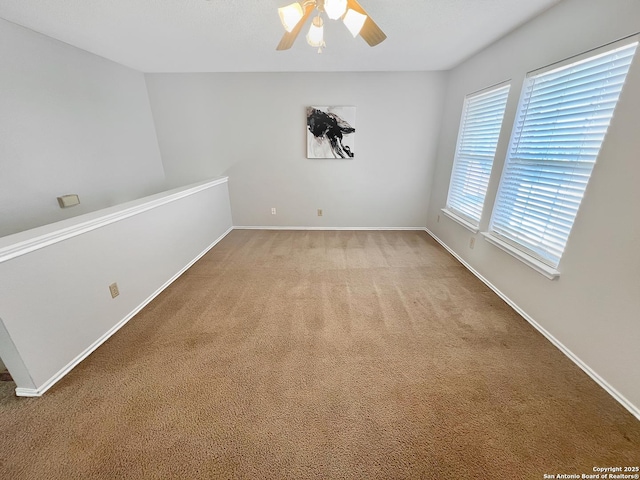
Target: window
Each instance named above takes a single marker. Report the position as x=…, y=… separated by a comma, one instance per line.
x=482, y=115
x=563, y=117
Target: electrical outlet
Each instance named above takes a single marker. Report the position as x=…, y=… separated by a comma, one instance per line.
x=472, y=242
x=319, y=212
x=113, y=288
x=273, y=211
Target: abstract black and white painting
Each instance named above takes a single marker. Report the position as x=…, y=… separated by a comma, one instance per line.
x=331, y=132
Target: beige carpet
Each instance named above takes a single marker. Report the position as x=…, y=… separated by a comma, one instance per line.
x=333, y=355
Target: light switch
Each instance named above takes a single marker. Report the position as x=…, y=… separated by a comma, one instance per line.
x=68, y=200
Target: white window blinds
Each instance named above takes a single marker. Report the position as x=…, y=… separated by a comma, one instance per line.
x=477, y=140
x=562, y=121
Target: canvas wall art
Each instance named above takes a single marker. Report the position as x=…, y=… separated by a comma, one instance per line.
x=331, y=132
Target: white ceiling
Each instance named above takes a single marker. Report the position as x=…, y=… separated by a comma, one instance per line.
x=241, y=35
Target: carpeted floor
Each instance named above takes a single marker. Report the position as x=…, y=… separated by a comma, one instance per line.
x=322, y=354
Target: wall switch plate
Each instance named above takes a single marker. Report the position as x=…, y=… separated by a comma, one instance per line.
x=113, y=288
x=438, y=219
x=273, y=211
x=68, y=200
x=319, y=212
x=472, y=242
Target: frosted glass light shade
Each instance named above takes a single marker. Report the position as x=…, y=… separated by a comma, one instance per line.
x=335, y=8
x=354, y=21
x=290, y=15
x=315, y=37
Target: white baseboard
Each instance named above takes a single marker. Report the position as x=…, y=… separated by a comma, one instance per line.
x=634, y=410
x=37, y=392
x=272, y=227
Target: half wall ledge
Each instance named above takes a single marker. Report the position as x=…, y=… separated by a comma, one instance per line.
x=55, y=303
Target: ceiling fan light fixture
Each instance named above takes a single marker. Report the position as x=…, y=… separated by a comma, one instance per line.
x=290, y=15
x=354, y=21
x=335, y=8
x=315, y=37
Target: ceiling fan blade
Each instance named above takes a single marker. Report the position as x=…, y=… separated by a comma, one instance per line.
x=371, y=32
x=289, y=37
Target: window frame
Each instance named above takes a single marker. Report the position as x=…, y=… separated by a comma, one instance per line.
x=543, y=265
x=467, y=221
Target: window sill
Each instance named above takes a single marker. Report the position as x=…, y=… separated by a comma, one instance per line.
x=465, y=223
x=549, y=272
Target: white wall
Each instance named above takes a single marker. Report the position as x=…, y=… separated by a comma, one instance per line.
x=252, y=127
x=55, y=304
x=70, y=122
x=594, y=307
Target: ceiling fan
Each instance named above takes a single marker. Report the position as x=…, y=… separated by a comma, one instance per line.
x=355, y=18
